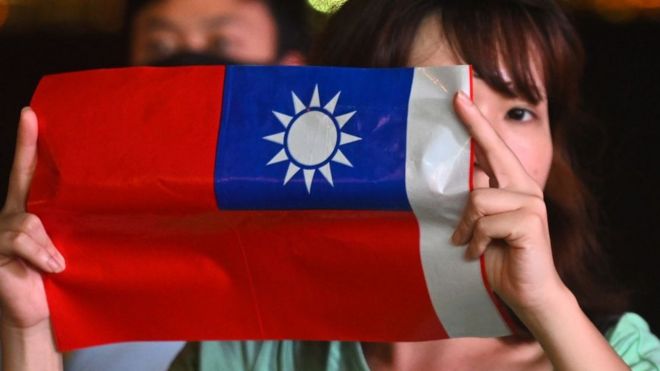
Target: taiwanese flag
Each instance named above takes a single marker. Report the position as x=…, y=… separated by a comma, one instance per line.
x=197, y=203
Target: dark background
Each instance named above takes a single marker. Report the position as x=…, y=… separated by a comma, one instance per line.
x=621, y=93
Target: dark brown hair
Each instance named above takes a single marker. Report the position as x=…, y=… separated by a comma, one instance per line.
x=492, y=35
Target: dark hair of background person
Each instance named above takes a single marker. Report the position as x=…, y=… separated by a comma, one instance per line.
x=292, y=18
x=472, y=27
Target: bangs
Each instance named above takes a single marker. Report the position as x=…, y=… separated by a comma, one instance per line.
x=507, y=43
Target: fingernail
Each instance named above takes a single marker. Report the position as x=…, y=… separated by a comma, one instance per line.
x=54, y=266
x=463, y=97
x=454, y=238
x=26, y=109
x=60, y=259
x=466, y=255
x=59, y=256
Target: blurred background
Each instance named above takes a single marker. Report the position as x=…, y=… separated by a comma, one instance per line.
x=621, y=91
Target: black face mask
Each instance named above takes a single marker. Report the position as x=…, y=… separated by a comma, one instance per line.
x=188, y=58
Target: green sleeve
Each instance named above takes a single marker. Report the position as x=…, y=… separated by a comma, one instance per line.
x=284, y=355
x=632, y=339
x=270, y=356
x=236, y=356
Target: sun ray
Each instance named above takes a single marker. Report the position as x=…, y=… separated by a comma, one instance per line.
x=298, y=105
x=347, y=138
x=309, y=176
x=330, y=106
x=308, y=126
x=290, y=172
x=275, y=138
x=343, y=119
x=327, y=173
x=340, y=158
x=279, y=157
x=316, y=102
x=285, y=120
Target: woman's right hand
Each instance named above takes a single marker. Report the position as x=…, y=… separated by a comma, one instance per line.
x=25, y=248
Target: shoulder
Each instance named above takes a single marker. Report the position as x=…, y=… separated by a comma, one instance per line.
x=633, y=340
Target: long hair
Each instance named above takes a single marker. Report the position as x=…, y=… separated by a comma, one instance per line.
x=496, y=35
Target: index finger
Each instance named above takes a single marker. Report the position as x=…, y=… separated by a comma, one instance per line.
x=500, y=159
x=25, y=161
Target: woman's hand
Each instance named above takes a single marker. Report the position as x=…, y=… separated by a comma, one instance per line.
x=507, y=222
x=25, y=250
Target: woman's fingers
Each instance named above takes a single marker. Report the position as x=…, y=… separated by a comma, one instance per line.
x=496, y=158
x=488, y=201
x=31, y=225
x=19, y=244
x=25, y=161
x=512, y=227
x=24, y=235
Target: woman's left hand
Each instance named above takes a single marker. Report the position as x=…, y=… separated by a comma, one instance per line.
x=507, y=223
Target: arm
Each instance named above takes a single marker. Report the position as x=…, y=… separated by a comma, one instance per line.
x=29, y=348
x=569, y=338
x=507, y=224
x=25, y=249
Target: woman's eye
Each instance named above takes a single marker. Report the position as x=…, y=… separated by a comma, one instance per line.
x=520, y=114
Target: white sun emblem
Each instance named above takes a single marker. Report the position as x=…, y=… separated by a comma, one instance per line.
x=311, y=138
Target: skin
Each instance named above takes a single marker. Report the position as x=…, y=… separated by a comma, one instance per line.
x=25, y=252
x=505, y=220
x=239, y=30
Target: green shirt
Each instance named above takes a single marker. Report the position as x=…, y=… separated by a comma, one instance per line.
x=631, y=338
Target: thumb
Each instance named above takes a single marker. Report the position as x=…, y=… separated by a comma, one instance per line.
x=25, y=161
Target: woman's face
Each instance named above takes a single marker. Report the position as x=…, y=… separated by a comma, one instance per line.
x=524, y=127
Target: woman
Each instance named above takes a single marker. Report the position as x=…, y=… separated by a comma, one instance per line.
x=526, y=57
x=527, y=60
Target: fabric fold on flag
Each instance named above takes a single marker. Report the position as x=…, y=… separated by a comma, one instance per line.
x=254, y=202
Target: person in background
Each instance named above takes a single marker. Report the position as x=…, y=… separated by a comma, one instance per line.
x=198, y=32
x=183, y=32
x=194, y=32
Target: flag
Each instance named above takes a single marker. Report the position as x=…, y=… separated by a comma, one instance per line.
x=254, y=202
